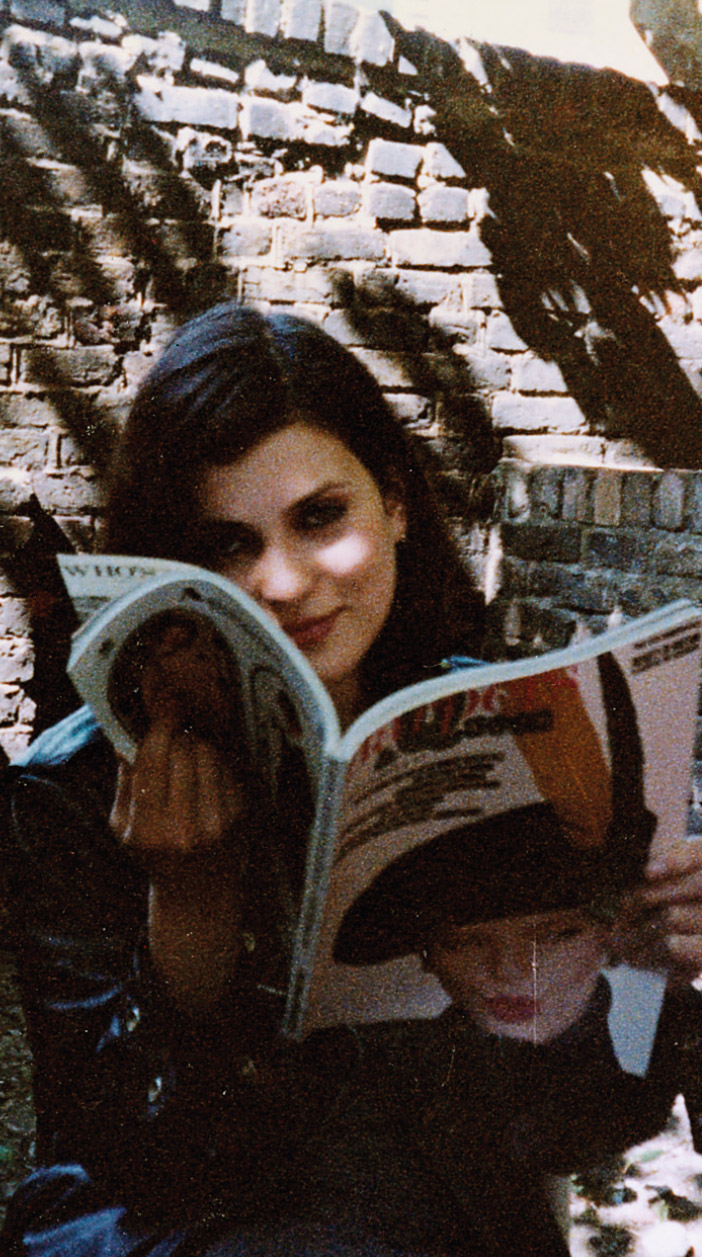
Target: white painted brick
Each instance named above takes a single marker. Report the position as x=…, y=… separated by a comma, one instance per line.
x=489, y=371
x=333, y=97
x=386, y=110
x=316, y=131
x=197, y=106
x=269, y=119
x=439, y=163
x=337, y=199
x=371, y=41
x=100, y=59
x=301, y=19
x=167, y=53
x=98, y=26
x=445, y=249
x=501, y=334
x=429, y=287
x=512, y=410
x=689, y=266
x=438, y=204
x=482, y=291
x=533, y=375
x=339, y=21
x=390, y=201
x=684, y=338
x=262, y=17
x=212, y=70
x=387, y=157
x=325, y=242
x=260, y=79
x=247, y=238
x=555, y=448
x=390, y=373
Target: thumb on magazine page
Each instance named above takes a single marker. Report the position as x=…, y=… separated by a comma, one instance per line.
x=662, y=918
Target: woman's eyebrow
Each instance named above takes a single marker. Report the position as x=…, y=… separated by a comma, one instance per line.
x=223, y=523
x=329, y=486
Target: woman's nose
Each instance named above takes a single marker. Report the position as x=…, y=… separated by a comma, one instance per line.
x=279, y=576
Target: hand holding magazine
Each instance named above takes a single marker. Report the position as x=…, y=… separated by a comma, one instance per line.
x=446, y=814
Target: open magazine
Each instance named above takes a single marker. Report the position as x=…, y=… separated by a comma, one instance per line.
x=489, y=792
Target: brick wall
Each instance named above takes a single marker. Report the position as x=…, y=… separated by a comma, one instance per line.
x=577, y=546
x=511, y=245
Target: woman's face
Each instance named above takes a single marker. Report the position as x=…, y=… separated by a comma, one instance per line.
x=525, y=978
x=301, y=525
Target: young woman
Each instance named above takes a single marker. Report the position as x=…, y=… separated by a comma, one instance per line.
x=171, y=1119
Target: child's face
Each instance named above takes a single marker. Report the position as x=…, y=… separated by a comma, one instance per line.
x=525, y=978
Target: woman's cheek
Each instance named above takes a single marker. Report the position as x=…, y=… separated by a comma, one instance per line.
x=347, y=557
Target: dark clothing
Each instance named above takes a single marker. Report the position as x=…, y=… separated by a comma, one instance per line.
x=163, y=1136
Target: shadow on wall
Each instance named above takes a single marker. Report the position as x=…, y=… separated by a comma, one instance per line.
x=55, y=266
x=581, y=251
x=46, y=260
x=672, y=29
x=383, y=318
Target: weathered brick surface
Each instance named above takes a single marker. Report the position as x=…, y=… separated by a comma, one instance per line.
x=386, y=110
x=388, y=157
x=390, y=201
x=275, y=149
x=440, y=204
x=330, y=243
x=624, y=549
x=607, y=499
x=525, y=412
x=340, y=20
x=668, y=501
x=301, y=19
x=558, y=542
x=337, y=200
x=331, y=96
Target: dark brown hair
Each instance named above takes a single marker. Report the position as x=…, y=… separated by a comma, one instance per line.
x=229, y=379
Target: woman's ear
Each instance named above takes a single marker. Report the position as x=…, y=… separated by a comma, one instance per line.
x=397, y=514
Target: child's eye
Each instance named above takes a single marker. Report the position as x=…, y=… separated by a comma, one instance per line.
x=315, y=516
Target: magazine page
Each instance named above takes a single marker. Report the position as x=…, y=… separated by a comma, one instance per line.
x=233, y=659
x=506, y=819
x=94, y=580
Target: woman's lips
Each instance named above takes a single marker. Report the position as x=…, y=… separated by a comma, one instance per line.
x=313, y=631
x=512, y=1009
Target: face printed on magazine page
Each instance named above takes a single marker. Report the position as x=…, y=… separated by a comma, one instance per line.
x=525, y=978
x=301, y=526
x=176, y=662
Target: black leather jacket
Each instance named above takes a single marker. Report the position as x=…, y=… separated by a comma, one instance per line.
x=423, y=1138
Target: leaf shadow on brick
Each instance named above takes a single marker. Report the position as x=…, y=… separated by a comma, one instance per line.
x=580, y=248
x=48, y=261
x=389, y=321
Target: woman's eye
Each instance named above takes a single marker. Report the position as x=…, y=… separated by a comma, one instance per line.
x=221, y=545
x=316, y=516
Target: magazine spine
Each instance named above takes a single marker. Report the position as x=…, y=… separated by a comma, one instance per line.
x=320, y=861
